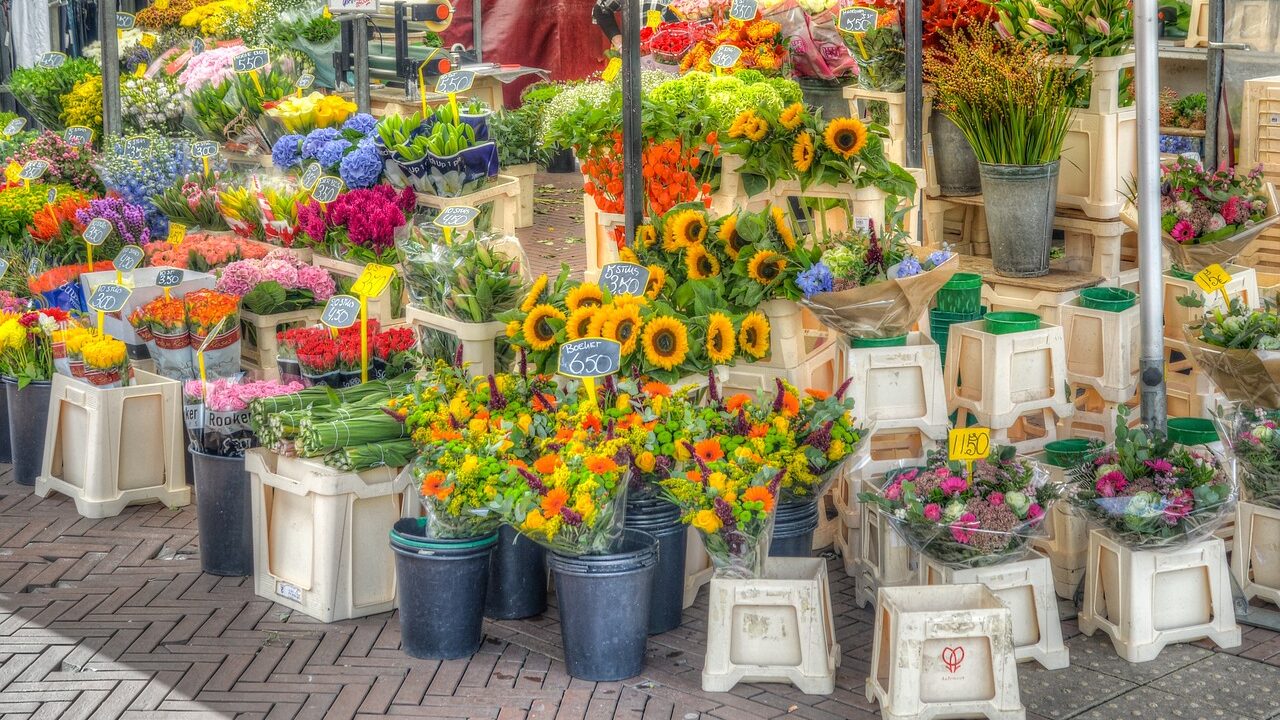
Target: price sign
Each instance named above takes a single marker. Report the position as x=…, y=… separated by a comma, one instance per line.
x=4, y=266
x=342, y=311
x=251, y=60
x=14, y=126
x=125, y=21
x=169, y=277
x=456, y=82
x=969, y=444
x=305, y=80
x=177, y=233
x=312, y=175
x=97, y=231
x=33, y=169
x=51, y=60
x=78, y=135
x=858, y=20
x=743, y=10
x=51, y=197
x=653, y=19
x=130, y=257
x=623, y=278
x=33, y=267
x=353, y=6
x=373, y=280
x=611, y=70
x=590, y=358
x=1212, y=278
x=326, y=189
x=109, y=297
x=726, y=56
x=197, y=46
x=456, y=216
x=136, y=147
x=204, y=149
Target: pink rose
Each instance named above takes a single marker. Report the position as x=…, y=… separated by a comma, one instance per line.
x=933, y=511
x=1035, y=512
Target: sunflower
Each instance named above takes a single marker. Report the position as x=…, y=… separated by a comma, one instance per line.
x=728, y=234
x=666, y=342
x=538, y=331
x=720, y=345
x=687, y=227
x=802, y=152
x=744, y=121
x=584, y=295
x=766, y=266
x=792, y=117
x=535, y=294
x=579, y=323
x=628, y=255
x=753, y=335
x=657, y=279
x=757, y=130
x=783, y=226
x=623, y=325
x=846, y=136
x=700, y=264
x=646, y=236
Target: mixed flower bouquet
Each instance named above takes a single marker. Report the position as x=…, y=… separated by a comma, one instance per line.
x=361, y=225
x=1253, y=437
x=68, y=164
x=1239, y=350
x=241, y=210
x=761, y=41
x=1151, y=493
x=26, y=344
x=984, y=519
x=19, y=207
x=468, y=279
x=278, y=203
x=276, y=283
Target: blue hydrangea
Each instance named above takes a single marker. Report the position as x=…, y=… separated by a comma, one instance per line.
x=937, y=257
x=315, y=139
x=331, y=152
x=361, y=168
x=817, y=279
x=362, y=123
x=284, y=154
x=909, y=266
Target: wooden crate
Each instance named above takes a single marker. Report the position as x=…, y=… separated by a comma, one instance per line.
x=1260, y=126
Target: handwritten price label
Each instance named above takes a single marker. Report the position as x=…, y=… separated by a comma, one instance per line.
x=453, y=83
x=590, y=358
x=51, y=197
x=373, y=280
x=326, y=189
x=97, y=231
x=14, y=126
x=78, y=135
x=969, y=444
x=353, y=6
x=33, y=169
x=456, y=216
x=177, y=233
x=743, y=10
x=136, y=147
x=306, y=80
x=726, y=56
x=251, y=60
x=129, y=257
x=169, y=277
x=109, y=298
x=51, y=60
x=342, y=311
x=1212, y=278
x=4, y=266
x=125, y=21
x=858, y=20
x=197, y=46
x=622, y=278
x=204, y=149
x=611, y=70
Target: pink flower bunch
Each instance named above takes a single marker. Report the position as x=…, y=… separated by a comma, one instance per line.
x=242, y=276
x=1111, y=484
x=11, y=304
x=210, y=67
x=227, y=395
x=203, y=252
x=68, y=164
x=1198, y=206
x=367, y=217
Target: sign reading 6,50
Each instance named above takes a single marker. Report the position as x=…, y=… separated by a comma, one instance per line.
x=590, y=358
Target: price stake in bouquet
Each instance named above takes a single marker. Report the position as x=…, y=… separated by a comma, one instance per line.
x=453, y=84
x=95, y=233
x=1214, y=279
x=32, y=171
x=169, y=278
x=725, y=56
x=858, y=21
x=177, y=233
x=33, y=268
x=4, y=266
x=124, y=21
x=129, y=257
x=305, y=80
x=204, y=150
x=250, y=62
x=78, y=135
x=326, y=190
x=51, y=60
x=968, y=444
x=590, y=358
x=106, y=298
x=50, y=198
x=453, y=217
x=312, y=175
x=744, y=10
x=624, y=278
x=213, y=335
x=372, y=281
x=14, y=126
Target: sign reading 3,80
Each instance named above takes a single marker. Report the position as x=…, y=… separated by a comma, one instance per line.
x=590, y=358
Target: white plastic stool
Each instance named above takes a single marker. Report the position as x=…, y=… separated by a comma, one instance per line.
x=900, y=387
x=1001, y=378
x=1067, y=548
x=884, y=558
x=697, y=567
x=943, y=652
x=1254, y=560
x=1026, y=587
x=1146, y=599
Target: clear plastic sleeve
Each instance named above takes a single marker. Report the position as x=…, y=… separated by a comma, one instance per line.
x=740, y=553
x=1246, y=376
x=1252, y=439
x=445, y=517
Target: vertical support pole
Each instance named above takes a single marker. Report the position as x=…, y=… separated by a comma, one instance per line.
x=112, y=121
x=633, y=183
x=477, y=34
x=360, y=43
x=1151, y=274
x=913, y=23
x=1213, y=83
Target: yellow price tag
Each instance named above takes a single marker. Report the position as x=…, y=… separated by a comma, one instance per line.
x=1214, y=279
x=148, y=40
x=612, y=69
x=654, y=19
x=969, y=444
x=177, y=232
x=373, y=280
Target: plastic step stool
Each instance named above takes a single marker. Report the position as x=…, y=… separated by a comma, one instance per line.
x=900, y=387
x=1254, y=561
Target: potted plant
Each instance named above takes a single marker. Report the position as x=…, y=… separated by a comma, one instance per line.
x=1013, y=103
x=519, y=154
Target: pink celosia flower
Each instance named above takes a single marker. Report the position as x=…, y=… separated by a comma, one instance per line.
x=996, y=498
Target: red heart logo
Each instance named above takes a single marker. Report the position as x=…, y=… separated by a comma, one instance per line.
x=952, y=657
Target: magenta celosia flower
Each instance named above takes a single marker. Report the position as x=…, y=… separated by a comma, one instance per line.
x=1035, y=512
x=996, y=498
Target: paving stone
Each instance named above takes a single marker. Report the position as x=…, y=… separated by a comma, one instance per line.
x=1097, y=653
x=1150, y=704
x=1228, y=682
x=1060, y=694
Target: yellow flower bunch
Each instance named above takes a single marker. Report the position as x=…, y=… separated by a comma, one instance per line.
x=313, y=111
x=103, y=352
x=221, y=19
x=13, y=335
x=83, y=105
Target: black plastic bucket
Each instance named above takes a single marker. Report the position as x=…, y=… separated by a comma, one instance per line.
x=517, y=578
x=28, y=416
x=441, y=586
x=793, y=528
x=661, y=519
x=6, y=454
x=604, y=608
x=224, y=512
x=562, y=161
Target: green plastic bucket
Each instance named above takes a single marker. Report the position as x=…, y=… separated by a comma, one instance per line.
x=1108, y=299
x=1066, y=453
x=961, y=295
x=1192, y=431
x=866, y=342
x=1004, y=323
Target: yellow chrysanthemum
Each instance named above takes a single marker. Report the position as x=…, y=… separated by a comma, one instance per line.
x=579, y=323
x=683, y=229
x=766, y=266
x=657, y=279
x=753, y=335
x=646, y=236
x=699, y=263
x=535, y=294
x=846, y=136
x=792, y=117
x=666, y=342
x=584, y=295
x=538, y=331
x=782, y=224
x=720, y=338
x=728, y=235
x=802, y=152
x=624, y=325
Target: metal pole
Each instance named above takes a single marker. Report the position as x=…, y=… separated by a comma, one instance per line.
x=1213, y=83
x=112, y=122
x=477, y=36
x=360, y=43
x=1150, y=265
x=633, y=183
x=914, y=44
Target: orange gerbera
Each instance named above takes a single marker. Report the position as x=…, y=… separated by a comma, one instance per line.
x=655, y=388
x=543, y=402
x=817, y=394
x=693, y=476
x=432, y=485
x=591, y=422
x=790, y=404
x=444, y=434
x=758, y=431
x=759, y=494
x=708, y=450
x=547, y=464
x=735, y=403
x=601, y=465
x=554, y=501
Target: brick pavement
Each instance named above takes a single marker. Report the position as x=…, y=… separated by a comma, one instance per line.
x=113, y=619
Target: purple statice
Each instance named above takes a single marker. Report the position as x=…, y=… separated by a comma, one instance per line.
x=332, y=152
x=816, y=279
x=129, y=221
x=875, y=253
x=363, y=123
x=315, y=139
x=361, y=168
x=908, y=267
x=284, y=153
x=535, y=484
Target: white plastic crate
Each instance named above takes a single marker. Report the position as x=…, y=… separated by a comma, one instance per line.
x=823, y=370
x=1001, y=378
x=502, y=191
x=477, y=339
x=321, y=536
x=791, y=343
x=106, y=449
x=895, y=145
x=1254, y=560
x=1099, y=155
x=259, y=348
x=1103, y=349
x=526, y=175
x=1127, y=592
x=776, y=628
x=697, y=567
x=1067, y=546
x=1260, y=125
x=598, y=235
x=382, y=308
x=998, y=296
x=899, y=387
x=884, y=560
x=1198, y=25
x=1243, y=286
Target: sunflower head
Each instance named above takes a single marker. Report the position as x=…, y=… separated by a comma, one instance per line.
x=783, y=226
x=646, y=236
x=728, y=235
x=626, y=254
x=684, y=228
x=540, y=327
x=535, y=294
x=802, y=152
x=579, y=322
x=584, y=295
x=624, y=325
x=753, y=335
x=657, y=279
x=699, y=263
x=742, y=123
x=757, y=130
x=720, y=338
x=846, y=136
x=665, y=341
x=766, y=266
x=792, y=117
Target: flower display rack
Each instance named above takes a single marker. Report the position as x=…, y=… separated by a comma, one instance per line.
x=503, y=192
x=776, y=628
x=259, y=348
x=1198, y=25
x=1253, y=559
x=1007, y=294
x=108, y=448
x=320, y=534
x=1103, y=349
x=731, y=196
x=1067, y=548
x=999, y=379
x=697, y=567
x=1243, y=285
x=884, y=558
x=793, y=340
x=1095, y=417
x=943, y=652
x=478, y=340
x=900, y=387
x=1099, y=153
x=861, y=101
x=600, y=236
x=1126, y=596
x=526, y=175
x=381, y=308
x=822, y=369
x=1260, y=125
x=1026, y=587
x=848, y=540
